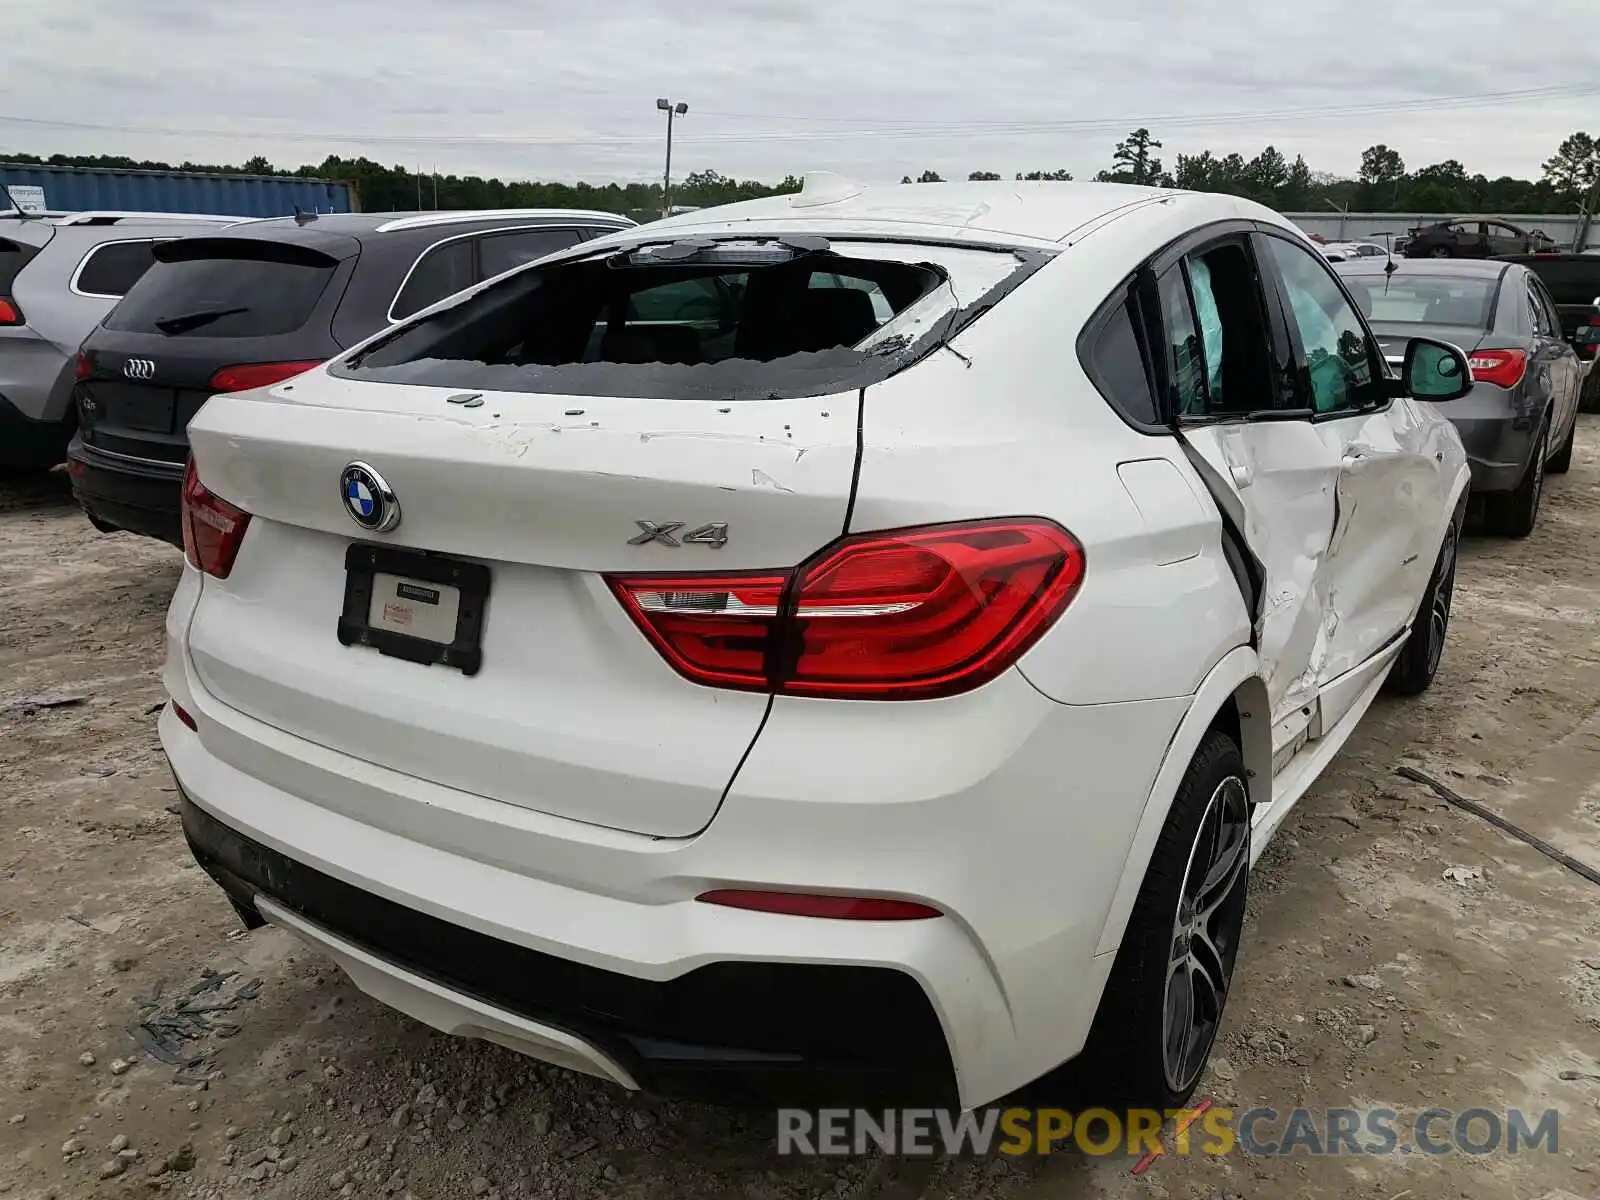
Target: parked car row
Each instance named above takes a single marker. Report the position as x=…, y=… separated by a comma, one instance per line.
x=546, y=655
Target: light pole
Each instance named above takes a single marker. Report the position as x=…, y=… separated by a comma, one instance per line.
x=672, y=110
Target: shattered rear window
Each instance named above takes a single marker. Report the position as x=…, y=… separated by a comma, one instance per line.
x=728, y=319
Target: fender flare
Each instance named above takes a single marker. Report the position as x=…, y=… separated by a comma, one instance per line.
x=1237, y=676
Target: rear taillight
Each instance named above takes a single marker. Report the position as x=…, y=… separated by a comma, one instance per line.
x=212, y=528
x=183, y=715
x=909, y=614
x=10, y=314
x=244, y=376
x=83, y=368
x=1503, y=368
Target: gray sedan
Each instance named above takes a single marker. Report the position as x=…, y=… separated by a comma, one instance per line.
x=1519, y=419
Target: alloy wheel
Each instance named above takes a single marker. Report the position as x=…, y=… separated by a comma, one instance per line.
x=1205, y=934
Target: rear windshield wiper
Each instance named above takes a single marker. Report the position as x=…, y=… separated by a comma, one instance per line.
x=172, y=326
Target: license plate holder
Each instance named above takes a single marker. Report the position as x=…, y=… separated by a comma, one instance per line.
x=414, y=586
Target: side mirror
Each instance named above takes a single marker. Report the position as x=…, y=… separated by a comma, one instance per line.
x=1435, y=371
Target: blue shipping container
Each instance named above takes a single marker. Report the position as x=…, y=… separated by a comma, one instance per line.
x=86, y=189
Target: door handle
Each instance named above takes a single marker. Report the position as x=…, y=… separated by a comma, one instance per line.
x=1242, y=476
x=1351, y=461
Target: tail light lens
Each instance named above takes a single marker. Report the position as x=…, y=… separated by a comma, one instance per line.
x=10, y=314
x=910, y=614
x=1503, y=368
x=245, y=376
x=83, y=368
x=212, y=528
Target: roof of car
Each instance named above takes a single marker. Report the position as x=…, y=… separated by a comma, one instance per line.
x=1471, y=268
x=358, y=224
x=1035, y=210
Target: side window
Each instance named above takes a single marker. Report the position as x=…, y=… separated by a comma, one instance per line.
x=685, y=301
x=442, y=271
x=1186, y=364
x=1550, y=318
x=112, y=268
x=1536, y=317
x=1338, y=353
x=1235, y=369
x=502, y=252
x=1116, y=364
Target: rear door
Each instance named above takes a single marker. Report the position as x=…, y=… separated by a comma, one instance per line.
x=1555, y=354
x=1229, y=380
x=212, y=314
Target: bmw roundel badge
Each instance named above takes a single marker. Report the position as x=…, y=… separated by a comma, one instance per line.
x=367, y=498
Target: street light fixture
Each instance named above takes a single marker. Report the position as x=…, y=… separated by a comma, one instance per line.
x=673, y=111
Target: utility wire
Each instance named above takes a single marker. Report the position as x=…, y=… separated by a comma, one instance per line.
x=879, y=131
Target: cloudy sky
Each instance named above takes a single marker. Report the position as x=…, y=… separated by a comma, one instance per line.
x=873, y=88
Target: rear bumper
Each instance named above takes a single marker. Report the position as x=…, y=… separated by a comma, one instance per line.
x=1499, y=444
x=27, y=443
x=597, y=935
x=747, y=1031
x=137, y=495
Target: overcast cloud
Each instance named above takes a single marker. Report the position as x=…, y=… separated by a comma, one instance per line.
x=566, y=89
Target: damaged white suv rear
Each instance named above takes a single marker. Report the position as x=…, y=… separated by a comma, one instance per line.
x=853, y=642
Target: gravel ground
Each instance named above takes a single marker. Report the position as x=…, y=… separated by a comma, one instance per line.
x=1399, y=951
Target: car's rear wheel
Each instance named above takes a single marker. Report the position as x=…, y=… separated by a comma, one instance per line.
x=1439, y=252
x=1418, y=662
x=1162, y=1007
x=1562, y=462
x=1515, y=513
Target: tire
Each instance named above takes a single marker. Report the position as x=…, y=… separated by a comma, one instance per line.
x=1562, y=462
x=1514, y=513
x=1590, y=400
x=1440, y=252
x=1132, y=1058
x=1418, y=663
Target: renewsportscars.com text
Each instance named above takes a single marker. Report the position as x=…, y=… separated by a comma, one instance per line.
x=1212, y=1131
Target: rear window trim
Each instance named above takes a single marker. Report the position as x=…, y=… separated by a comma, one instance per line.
x=83, y=263
x=580, y=230
x=1030, y=260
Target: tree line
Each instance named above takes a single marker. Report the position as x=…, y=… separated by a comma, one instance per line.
x=1571, y=179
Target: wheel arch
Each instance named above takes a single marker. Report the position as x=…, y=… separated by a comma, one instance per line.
x=1233, y=698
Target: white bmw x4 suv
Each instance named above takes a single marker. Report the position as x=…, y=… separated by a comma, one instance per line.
x=856, y=639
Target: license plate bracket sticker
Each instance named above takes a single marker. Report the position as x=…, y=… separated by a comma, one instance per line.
x=421, y=607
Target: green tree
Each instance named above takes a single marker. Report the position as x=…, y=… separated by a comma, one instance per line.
x=1054, y=176
x=1383, y=172
x=930, y=177
x=1133, y=162
x=977, y=175
x=1575, y=168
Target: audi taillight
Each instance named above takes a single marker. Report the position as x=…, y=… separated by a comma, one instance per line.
x=244, y=376
x=902, y=615
x=10, y=314
x=82, y=368
x=212, y=528
x=1503, y=368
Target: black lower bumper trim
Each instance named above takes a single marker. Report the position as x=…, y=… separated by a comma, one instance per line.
x=735, y=1032
x=124, y=494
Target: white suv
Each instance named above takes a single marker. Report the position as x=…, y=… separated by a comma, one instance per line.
x=860, y=637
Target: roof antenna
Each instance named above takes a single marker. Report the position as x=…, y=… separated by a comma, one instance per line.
x=1388, y=242
x=301, y=217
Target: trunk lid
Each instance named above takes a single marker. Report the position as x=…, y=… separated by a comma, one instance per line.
x=1393, y=336
x=573, y=712
x=541, y=428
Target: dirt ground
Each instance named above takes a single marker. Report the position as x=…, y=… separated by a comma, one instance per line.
x=1368, y=977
